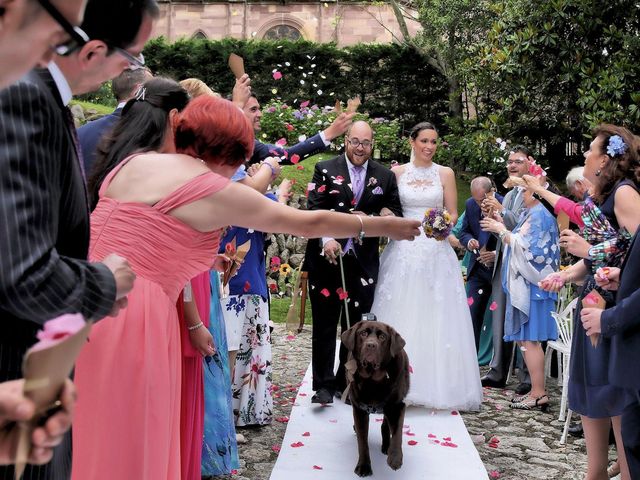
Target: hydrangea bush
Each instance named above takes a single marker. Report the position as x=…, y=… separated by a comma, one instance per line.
x=302, y=120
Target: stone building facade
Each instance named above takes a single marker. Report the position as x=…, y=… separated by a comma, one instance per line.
x=342, y=22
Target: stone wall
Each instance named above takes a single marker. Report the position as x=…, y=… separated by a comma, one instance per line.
x=345, y=23
x=289, y=248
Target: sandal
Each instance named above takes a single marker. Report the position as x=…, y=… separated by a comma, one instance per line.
x=614, y=469
x=531, y=404
x=519, y=398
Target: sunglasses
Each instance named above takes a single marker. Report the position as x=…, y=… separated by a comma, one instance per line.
x=78, y=37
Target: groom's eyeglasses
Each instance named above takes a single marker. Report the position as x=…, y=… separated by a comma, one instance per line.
x=354, y=142
x=78, y=37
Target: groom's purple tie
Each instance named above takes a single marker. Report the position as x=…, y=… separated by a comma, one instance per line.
x=357, y=182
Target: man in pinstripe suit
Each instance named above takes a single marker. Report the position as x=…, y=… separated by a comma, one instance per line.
x=510, y=210
x=44, y=222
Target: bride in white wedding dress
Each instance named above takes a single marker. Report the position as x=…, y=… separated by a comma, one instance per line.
x=421, y=293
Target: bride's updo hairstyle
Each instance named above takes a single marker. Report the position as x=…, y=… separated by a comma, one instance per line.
x=415, y=131
x=215, y=131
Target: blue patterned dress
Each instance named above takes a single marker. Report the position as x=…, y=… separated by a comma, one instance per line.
x=219, y=448
x=539, y=230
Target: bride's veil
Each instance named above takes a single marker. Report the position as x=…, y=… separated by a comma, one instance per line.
x=412, y=157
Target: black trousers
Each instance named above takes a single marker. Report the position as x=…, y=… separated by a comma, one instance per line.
x=328, y=312
x=12, y=350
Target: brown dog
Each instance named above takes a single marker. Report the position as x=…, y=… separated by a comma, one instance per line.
x=377, y=382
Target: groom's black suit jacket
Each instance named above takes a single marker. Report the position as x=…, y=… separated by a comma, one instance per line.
x=328, y=192
x=331, y=194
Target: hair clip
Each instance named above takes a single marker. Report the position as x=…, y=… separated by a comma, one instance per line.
x=141, y=93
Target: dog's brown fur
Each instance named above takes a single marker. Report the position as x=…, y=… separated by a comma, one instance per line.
x=377, y=380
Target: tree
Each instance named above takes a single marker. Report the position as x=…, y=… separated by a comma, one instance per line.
x=451, y=31
x=553, y=69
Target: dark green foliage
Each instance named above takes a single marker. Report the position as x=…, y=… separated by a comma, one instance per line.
x=549, y=71
x=392, y=81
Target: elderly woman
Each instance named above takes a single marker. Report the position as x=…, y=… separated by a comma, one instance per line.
x=532, y=253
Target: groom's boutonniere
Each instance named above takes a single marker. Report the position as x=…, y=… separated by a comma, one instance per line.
x=372, y=182
x=377, y=191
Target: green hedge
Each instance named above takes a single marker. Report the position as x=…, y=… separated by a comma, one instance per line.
x=393, y=82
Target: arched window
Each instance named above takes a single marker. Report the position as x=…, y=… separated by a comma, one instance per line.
x=279, y=32
x=199, y=35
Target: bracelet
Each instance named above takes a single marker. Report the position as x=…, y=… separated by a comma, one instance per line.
x=361, y=233
x=273, y=170
x=503, y=234
x=191, y=328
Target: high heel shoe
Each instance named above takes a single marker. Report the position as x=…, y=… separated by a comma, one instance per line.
x=531, y=404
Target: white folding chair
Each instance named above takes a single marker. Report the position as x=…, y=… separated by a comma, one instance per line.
x=564, y=322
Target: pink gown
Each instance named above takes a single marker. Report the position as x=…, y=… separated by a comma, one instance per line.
x=128, y=376
x=192, y=402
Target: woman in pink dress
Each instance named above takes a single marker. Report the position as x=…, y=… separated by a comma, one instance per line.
x=164, y=213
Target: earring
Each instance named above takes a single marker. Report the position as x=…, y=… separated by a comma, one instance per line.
x=598, y=173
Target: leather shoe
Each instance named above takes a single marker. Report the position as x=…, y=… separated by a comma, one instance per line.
x=322, y=396
x=492, y=383
x=523, y=388
x=576, y=430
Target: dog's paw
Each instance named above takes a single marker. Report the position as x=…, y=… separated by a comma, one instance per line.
x=394, y=460
x=385, y=446
x=363, y=470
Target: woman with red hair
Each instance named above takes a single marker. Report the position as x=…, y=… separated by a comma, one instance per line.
x=165, y=212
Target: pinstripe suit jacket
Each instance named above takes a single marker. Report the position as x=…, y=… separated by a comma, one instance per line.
x=44, y=233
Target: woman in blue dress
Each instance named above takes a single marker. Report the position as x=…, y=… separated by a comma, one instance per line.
x=610, y=164
x=532, y=253
x=219, y=447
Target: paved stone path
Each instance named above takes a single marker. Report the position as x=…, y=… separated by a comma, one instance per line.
x=528, y=442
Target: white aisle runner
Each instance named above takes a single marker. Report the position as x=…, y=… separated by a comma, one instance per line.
x=320, y=444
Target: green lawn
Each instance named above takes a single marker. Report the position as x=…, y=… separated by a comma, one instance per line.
x=101, y=109
x=280, y=307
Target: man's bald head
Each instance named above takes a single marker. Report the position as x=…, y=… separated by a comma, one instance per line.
x=359, y=143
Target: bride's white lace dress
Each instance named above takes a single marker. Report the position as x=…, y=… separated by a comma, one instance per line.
x=421, y=294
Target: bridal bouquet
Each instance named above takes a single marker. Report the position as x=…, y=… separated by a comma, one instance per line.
x=437, y=223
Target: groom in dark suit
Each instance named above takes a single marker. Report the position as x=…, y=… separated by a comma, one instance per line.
x=354, y=183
